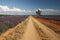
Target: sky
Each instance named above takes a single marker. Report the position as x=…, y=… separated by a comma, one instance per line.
x=29, y=7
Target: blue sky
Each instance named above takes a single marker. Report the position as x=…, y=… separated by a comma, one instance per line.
x=29, y=4
x=32, y=5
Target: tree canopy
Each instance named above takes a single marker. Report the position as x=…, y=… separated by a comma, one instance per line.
x=38, y=12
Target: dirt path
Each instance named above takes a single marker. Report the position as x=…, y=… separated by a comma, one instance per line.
x=31, y=33
x=50, y=33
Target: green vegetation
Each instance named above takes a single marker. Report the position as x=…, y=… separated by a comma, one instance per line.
x=5, y=25
x=9, y=24
x=4, y=15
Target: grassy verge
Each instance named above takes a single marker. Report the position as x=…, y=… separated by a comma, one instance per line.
x=53, y=28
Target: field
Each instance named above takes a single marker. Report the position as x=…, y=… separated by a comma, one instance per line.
x=25, y=27
x=10, y=21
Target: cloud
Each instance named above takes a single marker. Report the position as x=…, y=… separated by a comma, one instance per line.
x=17, y=11
x=6, y=9
x=50, y=11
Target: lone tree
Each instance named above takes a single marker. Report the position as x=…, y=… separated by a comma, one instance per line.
x=38, y=12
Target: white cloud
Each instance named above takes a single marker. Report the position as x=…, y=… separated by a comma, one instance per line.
x=6, y=9
x=18, y=11
x=14, y=11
